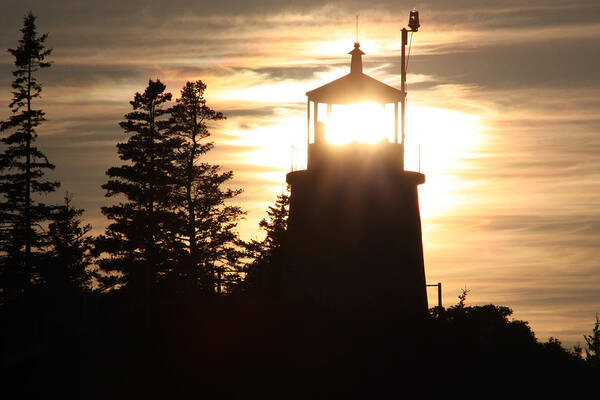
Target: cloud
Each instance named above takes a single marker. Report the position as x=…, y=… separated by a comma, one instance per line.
x=513, y=66
x=297, y=73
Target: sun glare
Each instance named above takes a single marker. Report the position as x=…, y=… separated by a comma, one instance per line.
x=363, y=122
x=443, y=136
x=438, y=143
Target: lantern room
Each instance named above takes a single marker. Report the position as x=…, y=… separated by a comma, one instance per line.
x=353, y=110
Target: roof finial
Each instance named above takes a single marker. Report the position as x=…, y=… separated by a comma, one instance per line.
x=356, y=62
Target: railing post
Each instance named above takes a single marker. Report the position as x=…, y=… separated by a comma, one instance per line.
x=439, y=287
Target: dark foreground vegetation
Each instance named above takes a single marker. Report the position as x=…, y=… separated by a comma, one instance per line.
x=113, y=345
x=170, y=302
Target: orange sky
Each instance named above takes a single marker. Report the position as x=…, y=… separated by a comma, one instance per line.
x=503, y=99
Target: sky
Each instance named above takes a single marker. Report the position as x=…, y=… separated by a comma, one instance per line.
x=503, y=102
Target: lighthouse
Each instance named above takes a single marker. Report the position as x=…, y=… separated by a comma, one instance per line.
x=354, y=227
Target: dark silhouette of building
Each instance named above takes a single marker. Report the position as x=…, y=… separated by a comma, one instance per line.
x=354, y=233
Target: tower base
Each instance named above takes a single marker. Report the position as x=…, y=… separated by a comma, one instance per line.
x=354, y=234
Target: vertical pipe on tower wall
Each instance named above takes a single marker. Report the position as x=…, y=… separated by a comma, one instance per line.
x=307, y=124
x=396, y=122
x=403, y=89
x=316, y=116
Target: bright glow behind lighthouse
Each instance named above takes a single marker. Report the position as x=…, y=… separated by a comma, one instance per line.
x=361, y=122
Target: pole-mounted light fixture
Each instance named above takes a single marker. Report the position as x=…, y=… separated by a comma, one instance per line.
x=413, y=21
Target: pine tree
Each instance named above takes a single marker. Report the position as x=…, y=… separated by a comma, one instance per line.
x=276, y=225
x=69, y=261
x=207, y=222
x=140, y=242
x=593, y=345
x=264, y=273
x=22, y=168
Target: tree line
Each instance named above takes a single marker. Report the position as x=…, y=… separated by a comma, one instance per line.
x=171, y=225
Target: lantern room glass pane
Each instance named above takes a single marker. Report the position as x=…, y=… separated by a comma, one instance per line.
x=361, y=122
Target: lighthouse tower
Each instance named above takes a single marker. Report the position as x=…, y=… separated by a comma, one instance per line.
x=354, y=228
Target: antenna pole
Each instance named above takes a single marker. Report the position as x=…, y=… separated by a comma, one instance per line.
x=356, y=28
x=403, y=90
x=413, y=24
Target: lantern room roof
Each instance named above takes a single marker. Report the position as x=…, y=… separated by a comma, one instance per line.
x=355, y=87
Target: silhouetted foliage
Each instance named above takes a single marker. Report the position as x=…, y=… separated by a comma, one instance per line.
x=484, y=337
x=462, y=299
x=207, y=223
x=22, y=169
x=226, y=343
x=275, y=226
x=264, y=272
x=69, y=259
x=140, y=241
x=592, y=351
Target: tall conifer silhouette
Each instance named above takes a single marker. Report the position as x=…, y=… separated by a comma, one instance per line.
x=208, y=223
x=140, y=242
x=22, y=168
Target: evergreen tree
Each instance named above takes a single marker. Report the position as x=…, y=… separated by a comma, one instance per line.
x=22, y=167
x=264, y=273
x=593, y=345
x=140, y=242
x=275, y=226
x=207, y=222
x=69, y=260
